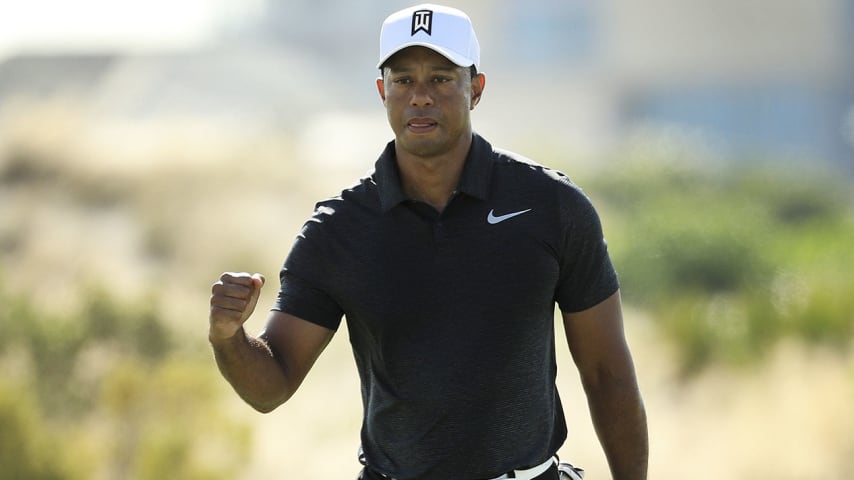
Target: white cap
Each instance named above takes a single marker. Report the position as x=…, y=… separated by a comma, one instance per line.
x=445, y=30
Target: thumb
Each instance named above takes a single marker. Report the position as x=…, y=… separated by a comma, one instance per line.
x=257, y=283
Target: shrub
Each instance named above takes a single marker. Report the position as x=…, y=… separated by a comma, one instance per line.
x=109, y=388
x=729, y=262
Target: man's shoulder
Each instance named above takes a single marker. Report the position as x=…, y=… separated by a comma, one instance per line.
x=516, y=174
x=503, y=156
x=360, y=195
x=520, y=168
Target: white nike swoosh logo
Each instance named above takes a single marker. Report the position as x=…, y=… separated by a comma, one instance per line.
x=492, y=219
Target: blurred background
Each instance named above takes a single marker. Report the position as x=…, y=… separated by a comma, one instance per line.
x=145, y=147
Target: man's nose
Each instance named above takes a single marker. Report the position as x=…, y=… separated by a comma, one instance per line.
x=421, y=96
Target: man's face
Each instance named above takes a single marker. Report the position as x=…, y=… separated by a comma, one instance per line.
x=428, y=100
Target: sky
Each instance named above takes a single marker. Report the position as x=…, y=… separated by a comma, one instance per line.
x=53, y=26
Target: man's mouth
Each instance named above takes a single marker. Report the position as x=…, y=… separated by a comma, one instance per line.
x=421, y=125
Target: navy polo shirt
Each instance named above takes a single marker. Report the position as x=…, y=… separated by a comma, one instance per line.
x=451, y=314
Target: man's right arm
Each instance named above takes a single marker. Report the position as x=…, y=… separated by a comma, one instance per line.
x=267, y=370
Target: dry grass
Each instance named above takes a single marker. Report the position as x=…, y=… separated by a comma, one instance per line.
x=164, y=208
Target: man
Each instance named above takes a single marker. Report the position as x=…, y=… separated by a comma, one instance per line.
x=447, y=262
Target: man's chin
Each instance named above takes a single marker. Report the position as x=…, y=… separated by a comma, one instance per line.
x=422, y=145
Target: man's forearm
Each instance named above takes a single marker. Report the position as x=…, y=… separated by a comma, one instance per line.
x=250, y=367
x=619, y=417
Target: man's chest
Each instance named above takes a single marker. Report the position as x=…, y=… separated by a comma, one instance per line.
x=473, y=262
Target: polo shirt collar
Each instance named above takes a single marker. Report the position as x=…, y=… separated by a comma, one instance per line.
x=474, y=180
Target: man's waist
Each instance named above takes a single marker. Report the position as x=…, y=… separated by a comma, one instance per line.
x=524, y=473
x=529, y=473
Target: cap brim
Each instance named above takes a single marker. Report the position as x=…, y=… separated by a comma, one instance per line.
x=454, y=57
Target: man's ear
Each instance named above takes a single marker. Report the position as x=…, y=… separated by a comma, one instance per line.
x=478, y=83
x=381, y=88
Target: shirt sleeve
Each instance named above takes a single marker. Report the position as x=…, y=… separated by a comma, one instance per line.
x=304, y=290
x=587, y=276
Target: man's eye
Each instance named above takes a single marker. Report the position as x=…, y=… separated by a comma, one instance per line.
x=441, y=79
x=402, y=81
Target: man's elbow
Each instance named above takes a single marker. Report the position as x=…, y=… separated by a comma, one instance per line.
x=263, y=408
x=604, y=379
x=266, y=405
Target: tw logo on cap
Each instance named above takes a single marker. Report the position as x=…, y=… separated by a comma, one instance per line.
x=422, y=21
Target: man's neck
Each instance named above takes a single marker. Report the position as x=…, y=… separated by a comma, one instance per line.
x=433, y=180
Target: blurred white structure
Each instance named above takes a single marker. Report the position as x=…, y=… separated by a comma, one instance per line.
x=766, y=79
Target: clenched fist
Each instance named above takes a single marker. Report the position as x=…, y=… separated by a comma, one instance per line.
x=233, y=299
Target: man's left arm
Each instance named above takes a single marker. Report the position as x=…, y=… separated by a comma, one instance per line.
x=598, y=346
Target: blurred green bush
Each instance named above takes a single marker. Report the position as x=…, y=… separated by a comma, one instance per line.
x=109, y=392
x=729, y=261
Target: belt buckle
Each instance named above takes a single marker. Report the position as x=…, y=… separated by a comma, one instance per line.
x=529, y=473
